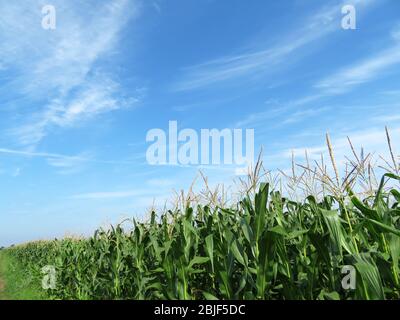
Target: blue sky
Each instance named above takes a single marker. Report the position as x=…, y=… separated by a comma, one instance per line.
x=76, y=102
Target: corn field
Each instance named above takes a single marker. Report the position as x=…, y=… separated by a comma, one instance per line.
x=268, y=247
x=341, y=240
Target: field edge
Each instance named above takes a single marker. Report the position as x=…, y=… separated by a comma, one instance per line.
x=14, y=281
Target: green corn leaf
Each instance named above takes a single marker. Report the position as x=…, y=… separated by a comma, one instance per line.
x=210, y=249
x=385, y=228
x=370, y=284
x=209, y=296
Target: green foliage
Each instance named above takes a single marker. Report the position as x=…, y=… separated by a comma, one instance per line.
x=264, y=248
x=15, y=282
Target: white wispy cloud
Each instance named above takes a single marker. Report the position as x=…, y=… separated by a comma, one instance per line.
x=283, y=113
x=161, y=182
x=304, y=114
x=69, y=165
x=65, y=163
x=62, y=67
x=16, y=172
x=89, y=101
x=129, y=193
x=371, y=140
x=156, y=6
x=389, y=118
x=108, y=195
x=39, y=154
x=390, y=92
x=396, y=32
x=316, y=26
x=361, y=72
